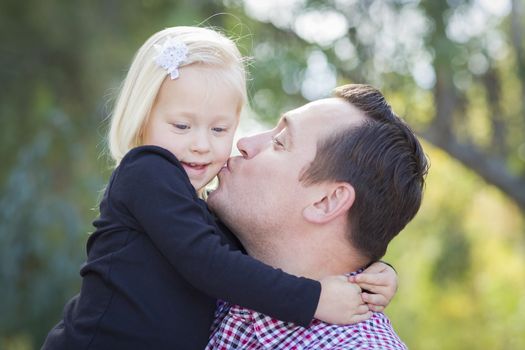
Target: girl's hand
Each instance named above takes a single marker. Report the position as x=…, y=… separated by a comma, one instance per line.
x=381, y=281
x=340, y=302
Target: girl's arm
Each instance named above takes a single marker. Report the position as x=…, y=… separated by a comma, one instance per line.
x=151, y=185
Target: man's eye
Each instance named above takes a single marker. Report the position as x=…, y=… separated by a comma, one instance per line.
x=276, y=142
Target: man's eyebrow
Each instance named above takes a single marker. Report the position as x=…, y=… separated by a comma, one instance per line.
x=282, y=120
x=289, y=125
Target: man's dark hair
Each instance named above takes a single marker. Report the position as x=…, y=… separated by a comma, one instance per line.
x=384, y=162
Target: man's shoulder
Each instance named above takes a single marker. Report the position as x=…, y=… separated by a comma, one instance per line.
x=241, y=324
x=374, y=333
x=221, y=310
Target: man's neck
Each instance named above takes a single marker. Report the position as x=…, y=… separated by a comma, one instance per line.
x=310, y=258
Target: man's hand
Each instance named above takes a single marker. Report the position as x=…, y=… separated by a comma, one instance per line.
x=379, y=279
x=341, y=302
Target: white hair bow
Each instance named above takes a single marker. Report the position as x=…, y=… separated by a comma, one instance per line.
x=171, y=55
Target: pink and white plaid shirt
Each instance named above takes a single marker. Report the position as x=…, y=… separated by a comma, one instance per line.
x=240, y=328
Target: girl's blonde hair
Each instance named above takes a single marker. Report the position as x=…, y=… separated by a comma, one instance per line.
x=144, y=79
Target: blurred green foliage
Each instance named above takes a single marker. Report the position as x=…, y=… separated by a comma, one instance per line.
x=460, y=83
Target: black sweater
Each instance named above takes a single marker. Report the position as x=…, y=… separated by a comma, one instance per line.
x=158, y=261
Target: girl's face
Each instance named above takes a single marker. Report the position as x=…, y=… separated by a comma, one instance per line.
x=195, y=117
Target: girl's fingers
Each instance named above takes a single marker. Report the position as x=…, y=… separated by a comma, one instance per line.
x=361, y=317
x=362, y=309
x=376, y=308
x=371, y=278
x=372, y=288
x=376, y=267
x=374, y=299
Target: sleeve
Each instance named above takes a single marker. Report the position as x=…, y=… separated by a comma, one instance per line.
x=154, y=191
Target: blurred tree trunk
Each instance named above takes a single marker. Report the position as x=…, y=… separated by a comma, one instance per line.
x=491, y=163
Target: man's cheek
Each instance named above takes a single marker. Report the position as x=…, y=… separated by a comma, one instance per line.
x=261, y=171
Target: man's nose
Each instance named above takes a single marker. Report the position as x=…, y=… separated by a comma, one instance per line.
x=250, y=146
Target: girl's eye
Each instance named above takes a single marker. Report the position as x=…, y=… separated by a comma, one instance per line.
x=218, y=129
x=181, y=126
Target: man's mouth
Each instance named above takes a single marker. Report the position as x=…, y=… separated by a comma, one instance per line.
x=225, y=168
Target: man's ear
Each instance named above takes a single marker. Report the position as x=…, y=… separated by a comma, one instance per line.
x=335, y=201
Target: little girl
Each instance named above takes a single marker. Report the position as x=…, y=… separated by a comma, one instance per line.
x=158, y=260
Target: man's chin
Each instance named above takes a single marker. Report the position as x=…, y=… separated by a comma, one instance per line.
x=213, y=198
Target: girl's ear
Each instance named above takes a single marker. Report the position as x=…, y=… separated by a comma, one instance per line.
x=335, y=201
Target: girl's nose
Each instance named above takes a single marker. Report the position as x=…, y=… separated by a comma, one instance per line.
x=201, y=143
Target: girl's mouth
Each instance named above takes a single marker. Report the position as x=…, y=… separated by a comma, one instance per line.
x=195, y=168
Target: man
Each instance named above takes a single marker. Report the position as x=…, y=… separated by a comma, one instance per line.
x=322, y=193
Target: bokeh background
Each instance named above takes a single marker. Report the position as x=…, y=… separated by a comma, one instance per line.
x=454, y=69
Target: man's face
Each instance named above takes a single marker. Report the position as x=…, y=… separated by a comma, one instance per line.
x=260, y=191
